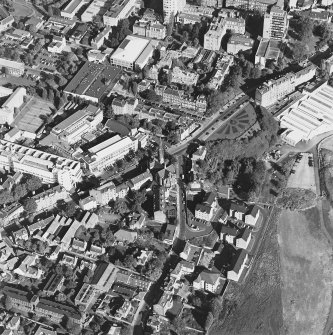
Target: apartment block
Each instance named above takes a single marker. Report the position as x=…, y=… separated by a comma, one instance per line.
x=49, y=198
x=150, y=29
x=273, y=90
x=49, y=167
x=13, y=68
x=95, y=8
x=119, y=10
x=275, y=24
x=172, y=7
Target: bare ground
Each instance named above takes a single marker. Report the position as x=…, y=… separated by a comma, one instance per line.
x=255, y=307
x=306, y=272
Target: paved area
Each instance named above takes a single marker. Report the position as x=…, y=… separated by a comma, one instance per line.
x=303, y=175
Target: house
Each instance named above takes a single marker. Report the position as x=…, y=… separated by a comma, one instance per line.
x=54, y=284
x=41, y=330
x=125, y=235
x=183, y=268
x=138, y=181
x=28, y=268
x=207, y=208
x=138, y=222
x=14, y=323
x=239, y=266
x=78, y=245
x=85, y=296
x=229, y=234
x=238, y=211
x=57, y=45
x=208, y=281
x=49, y=198
x=243, y=238
x=88, y=203
x=7, y=214
x=18, y=298
x=251, y=218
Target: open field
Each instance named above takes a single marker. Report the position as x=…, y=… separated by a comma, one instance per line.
x=29, y=117
x=254, y=307
x=303, y=176
x=306, y=272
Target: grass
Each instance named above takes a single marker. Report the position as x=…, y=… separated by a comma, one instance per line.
x=306, y=272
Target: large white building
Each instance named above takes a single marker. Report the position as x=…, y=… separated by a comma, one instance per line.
x=83, y=121
x=108, y=152
x=120, y=9
x=93, y=9
x=172, y=7
x=12, y=67
x=15, y=100
x=274, y=90
x=309, y=116
x=133, y=52
x=48, y=167
x=275, y=24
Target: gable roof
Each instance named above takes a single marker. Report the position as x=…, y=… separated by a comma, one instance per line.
x=208, y=277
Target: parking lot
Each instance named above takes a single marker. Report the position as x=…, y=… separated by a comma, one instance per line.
x=303, y=174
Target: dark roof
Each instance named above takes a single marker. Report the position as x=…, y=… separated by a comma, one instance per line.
x=238, y=207
x=118, y=127
x=203, y=208
x=240, y=260
x=16, y=293
x=209, y=277
x=58, y=308
x=254, y=211
x=126, y=291
x=232, y=231
x=98, y=273
x=209, y=198
x=244, y=234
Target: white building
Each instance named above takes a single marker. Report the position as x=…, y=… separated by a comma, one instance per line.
x=93, y=9
x=207, y=209
x=309, y=116
x=12, y=67
x=15, y=100
x=72, y=8
x=120, y=9
x=173, y=7
x=242, y=241
x=275, y=24
x=207, y=281
x=57, y=45
x=48, y=167
x=184, y=77
x=274, y=90
x=109, y=191
x=133, y=52
x=98, y=41
x=108, y=152
x=238, y=267
x=48, y=199
x=6, y=23
x=88, y=203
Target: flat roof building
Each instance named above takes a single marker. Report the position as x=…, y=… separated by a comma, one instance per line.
x=72, y=8
x=133, y=51
x=12, y=67
x=120, y=9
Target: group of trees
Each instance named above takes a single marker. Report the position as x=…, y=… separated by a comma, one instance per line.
x=28, y=184
x=191, y=33
x=119, y=33
x=238, y=162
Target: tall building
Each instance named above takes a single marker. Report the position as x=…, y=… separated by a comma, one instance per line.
x=275, y=24
x=172, y=7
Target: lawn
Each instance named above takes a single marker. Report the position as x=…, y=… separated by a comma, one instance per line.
x=306, y=272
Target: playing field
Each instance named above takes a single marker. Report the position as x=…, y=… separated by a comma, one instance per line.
x=306, y=272
x=29, y=118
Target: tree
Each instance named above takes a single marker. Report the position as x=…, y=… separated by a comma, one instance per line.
x=29, y=205
x=209, y=320
x=300, y=51
x=70, y=209
x=134, y=87
x=120, y=206
x=19, y=191
x=32, y=183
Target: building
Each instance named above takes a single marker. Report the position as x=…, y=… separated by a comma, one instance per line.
x=54, y=284
x=72, y=8
x=172, y=7
x=88, y=203
x=96, y=56
x=10, y=213
x=108, y=152
x=109, y=191
x=208, y=281
x=29, y=268
x=259, y=5
x=133, y=52
x=169, y=234
x=18, y=35
x=124, y=106
x=85, y=296
x=95, y=8
x=274, y=90
x=308, y=116
x=120, y=9
x=267, y=50
x=48, y=198
x=75, y=126
x=11, y=67
x=207, y=208
x=93, y=81
x=212, y=3
x=14, y=101
x=104, y=277
x=219, y=27
x=252, y=216
x=327, y=65
x=239, y=266
x=221, y=70
x=191, y=14
x=98, y=41
x=57, y=45
x=150, y=29
x=183, y=77
x=55, y=311
x=243, y=239
x=238, y=43
x=19, y=299
x=229, y=234
x=48, y=167
x=6, y=23
x=138, y=181
x=275, y=24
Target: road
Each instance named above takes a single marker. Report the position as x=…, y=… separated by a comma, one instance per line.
x=209, y=122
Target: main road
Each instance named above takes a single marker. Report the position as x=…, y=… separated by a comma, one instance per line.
x=231, y=106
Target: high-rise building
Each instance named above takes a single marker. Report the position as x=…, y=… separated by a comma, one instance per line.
x=275, y=24
x=172, y=7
